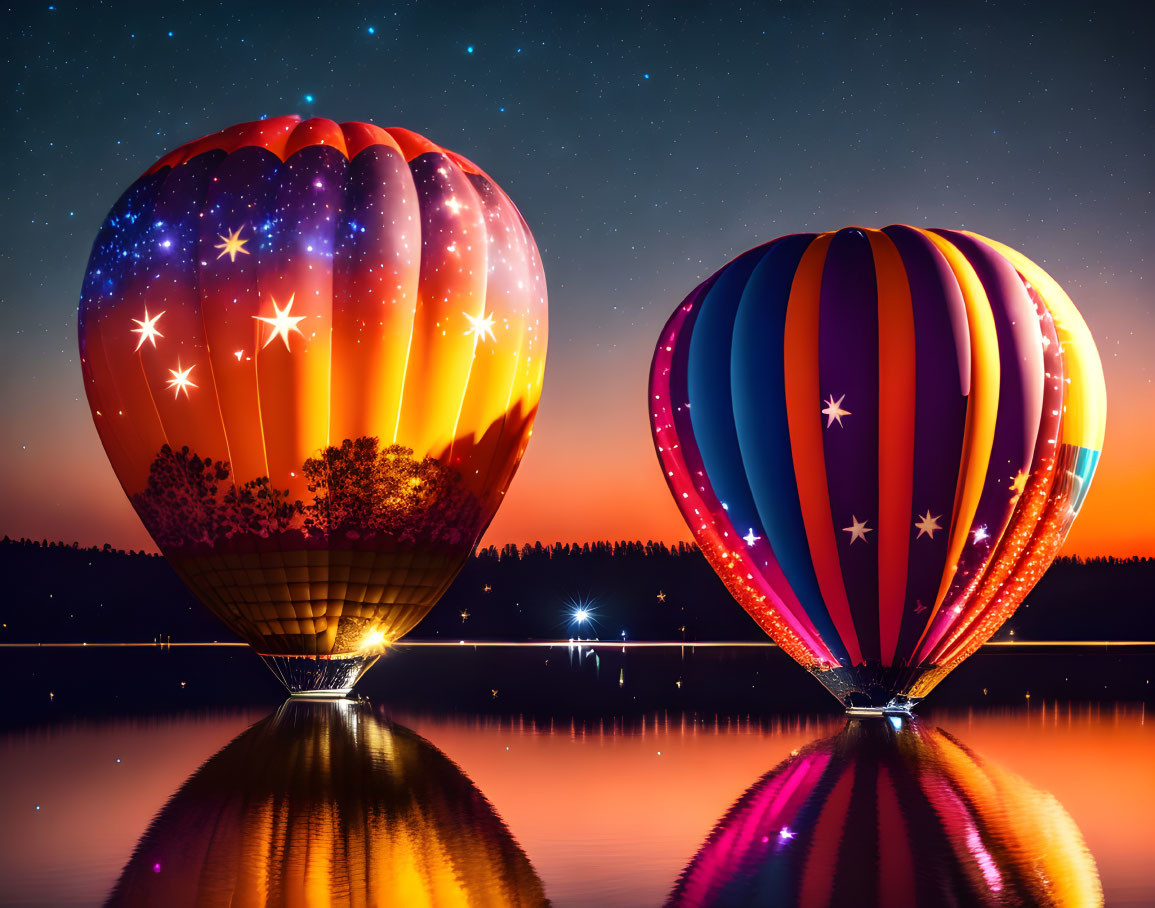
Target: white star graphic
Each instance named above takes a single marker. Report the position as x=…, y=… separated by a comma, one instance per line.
x=981, y=533
x=281, y=322
x=180, y=381
x=927, y=525
x=834, y=411
x=750, y=538
x=857, y=530
x=147, y=329
x=232, y=244
x=479, y=326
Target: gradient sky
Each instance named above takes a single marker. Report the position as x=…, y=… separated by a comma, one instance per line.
x=645, y=147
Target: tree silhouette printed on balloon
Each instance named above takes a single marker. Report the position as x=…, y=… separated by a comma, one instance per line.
x=361, y=492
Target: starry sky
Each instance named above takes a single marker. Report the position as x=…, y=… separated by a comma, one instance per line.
x=645, y=146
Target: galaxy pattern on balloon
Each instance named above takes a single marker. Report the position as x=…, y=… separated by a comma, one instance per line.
x=879, y=439
x=314, y=353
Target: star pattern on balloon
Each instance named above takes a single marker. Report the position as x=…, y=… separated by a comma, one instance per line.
x=381, y=385
x=834, y=411
x=480, y=326
x=927, y=525
x=981, y=534
x=147, y=329
x=180, y=380
x=750, y=538
x=232, y=244
x=857, y=529
x=282, y=322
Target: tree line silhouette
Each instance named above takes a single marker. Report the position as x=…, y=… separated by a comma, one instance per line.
x=604, y=548
x=652, y=591
x=359, y=490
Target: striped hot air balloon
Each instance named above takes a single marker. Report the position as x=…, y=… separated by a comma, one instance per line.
x=879, y=815
x=313, y=352
x=879, y=439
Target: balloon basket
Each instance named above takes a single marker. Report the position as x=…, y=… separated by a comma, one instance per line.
x=873, y=690
x=319, y=677
x=903, y=710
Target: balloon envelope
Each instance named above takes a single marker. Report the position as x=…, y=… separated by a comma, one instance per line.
x=879, y=439
x=314, y=353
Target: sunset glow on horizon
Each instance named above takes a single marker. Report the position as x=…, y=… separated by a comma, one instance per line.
x=661, y=166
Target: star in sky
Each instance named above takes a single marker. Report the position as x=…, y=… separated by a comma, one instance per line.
x=750, y=538
x=834, y=411
x=232, y=245
x=180, y=380
x=661, y=596
x=281, y=322
x=479, y=326
x=927, y=525
x=857, y=530
x=147, y=329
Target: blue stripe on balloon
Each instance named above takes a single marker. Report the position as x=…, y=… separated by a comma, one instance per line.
x=1084, y=470
x=708, y=383
x=758, y=390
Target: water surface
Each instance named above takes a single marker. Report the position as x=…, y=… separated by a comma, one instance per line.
x=505, y=776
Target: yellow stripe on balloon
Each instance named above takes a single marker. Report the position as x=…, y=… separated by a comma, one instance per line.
x=982, y=411
x=1085, y=404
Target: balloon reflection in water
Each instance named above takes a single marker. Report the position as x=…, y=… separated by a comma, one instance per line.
x=890, y=812
x=325, y=803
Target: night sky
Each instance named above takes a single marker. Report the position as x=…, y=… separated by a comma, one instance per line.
x=645, y=147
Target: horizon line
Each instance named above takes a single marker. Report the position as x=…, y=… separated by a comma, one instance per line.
x=479, y=547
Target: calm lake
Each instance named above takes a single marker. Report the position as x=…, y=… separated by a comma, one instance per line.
x=578, y=775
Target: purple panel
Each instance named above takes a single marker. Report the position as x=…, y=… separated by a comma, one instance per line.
x=1020, y=403
x=848, y=370
x=942, y=378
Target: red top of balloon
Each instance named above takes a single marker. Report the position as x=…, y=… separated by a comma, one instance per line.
x=285, y=136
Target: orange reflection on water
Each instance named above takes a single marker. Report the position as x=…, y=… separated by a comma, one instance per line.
x=328, y=804
x=611, y=813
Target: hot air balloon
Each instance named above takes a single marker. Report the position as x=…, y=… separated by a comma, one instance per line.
x=892, y=813
x=313, y=353
x=328, y=804
x=879, y=439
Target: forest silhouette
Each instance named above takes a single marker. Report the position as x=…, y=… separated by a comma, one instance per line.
x=65, y=593
x=360, y=490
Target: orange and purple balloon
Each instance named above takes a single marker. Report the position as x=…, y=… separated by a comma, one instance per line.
x=314, y=353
